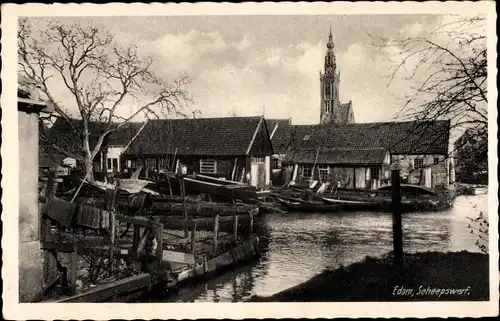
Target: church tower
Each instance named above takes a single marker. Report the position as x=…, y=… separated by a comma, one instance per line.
x=332, y=111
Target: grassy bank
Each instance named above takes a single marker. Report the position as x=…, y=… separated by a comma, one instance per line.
x=463, y=276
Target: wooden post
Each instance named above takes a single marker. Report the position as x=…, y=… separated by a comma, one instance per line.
x=235, y=229
x=193, y=239
x=397, y=228
x=251, y=223
x=50, y=265
x=136, y=238
x=159, y=238
x=144, y=239
x=233, y=173
x=183, y=194
x=74, y=261
x=216, y=231
x=112, y=226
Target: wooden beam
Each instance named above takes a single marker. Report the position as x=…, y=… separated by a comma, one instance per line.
x=216, y=232
x=107, y=291
x=184, y=205
x=193, y=239
x=235, y=229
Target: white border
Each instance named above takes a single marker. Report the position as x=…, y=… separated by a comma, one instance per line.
x=13, y=310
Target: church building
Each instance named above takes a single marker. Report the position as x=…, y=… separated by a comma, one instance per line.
x=359, y=155
x=332, y=110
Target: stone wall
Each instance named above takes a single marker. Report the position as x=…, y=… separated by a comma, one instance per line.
x=30, y=255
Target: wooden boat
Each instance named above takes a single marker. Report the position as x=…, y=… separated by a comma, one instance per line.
x=410, y=189
x=221, y=192
x=354, y=205
x=298, y=205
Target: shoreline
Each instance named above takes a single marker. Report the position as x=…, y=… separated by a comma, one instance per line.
x=373, y=280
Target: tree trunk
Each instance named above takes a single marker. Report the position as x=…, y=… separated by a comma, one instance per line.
x=89, y=169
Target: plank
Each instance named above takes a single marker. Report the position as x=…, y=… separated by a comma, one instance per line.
x=107, y=291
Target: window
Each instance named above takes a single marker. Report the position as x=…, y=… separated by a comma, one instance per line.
x=306, y=171
x=115, y=164
x=258, y=160
x=129, y=163
x=436, y=160
x=375, y=172
x=109, y=164
x=276, y=163
x=418, y=163
x=323, y=173
x=208, y=166
x=151, y=163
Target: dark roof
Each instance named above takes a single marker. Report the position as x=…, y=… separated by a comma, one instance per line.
x=338, y=156
x=412, y=137
x=63, y=135
x=200, y=136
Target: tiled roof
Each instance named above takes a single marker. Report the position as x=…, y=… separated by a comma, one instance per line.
x=397, y=137
x=338, y=156
x=200, y=136
x=62, y=135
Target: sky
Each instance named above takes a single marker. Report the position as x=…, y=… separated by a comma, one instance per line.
x=269, y=65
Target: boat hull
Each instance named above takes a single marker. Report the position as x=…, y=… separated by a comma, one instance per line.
x=309, y=207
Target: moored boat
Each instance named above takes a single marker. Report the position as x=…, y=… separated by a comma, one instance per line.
x=354, y=205
x=219, y=191
x=298, y=205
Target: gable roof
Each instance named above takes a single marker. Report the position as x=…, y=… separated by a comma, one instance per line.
x=200, y=136
x=62, y=135
x=413, y=137
x=345, y=111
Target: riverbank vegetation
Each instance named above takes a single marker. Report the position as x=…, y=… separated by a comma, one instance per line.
x=373, y=279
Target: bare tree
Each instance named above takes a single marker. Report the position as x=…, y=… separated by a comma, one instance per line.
x=448, y=71
x=100, y=75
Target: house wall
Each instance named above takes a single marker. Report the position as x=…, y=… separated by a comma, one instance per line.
x=114, y=152
x=225, y=166
x=353, y=177
x=30, y=254
x=432, y=175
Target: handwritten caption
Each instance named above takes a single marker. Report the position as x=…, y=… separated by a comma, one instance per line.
x=427, y=290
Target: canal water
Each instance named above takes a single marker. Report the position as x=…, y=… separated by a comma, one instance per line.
x=298, y=246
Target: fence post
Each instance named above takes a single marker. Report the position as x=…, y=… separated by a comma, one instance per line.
x=216, y=231
x=397, y=229
x=183, y=194
x=159, y=238
x=235, y=229
x=193, y=239
x=74, y=261
x=136, y=238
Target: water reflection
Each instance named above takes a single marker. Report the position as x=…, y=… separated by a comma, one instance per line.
x=297, y=246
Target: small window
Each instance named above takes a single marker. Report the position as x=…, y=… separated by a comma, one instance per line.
x=109, y=164
x=418, y=163
x=115, y=164
x=323, y=173
x=276, y=163
x=306, y=171
x=436, y=160
x=208, y=166
x=129, y=163
x=151, y=163
x=375, y=172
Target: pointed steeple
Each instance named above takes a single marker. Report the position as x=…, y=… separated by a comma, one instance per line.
x=330, y=44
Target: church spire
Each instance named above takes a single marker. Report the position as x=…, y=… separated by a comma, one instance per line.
x=330, y=44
